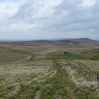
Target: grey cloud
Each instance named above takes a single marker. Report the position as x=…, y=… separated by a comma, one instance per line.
x=68, y=17
x=26, y=10
x=77, y=17
x=95, y=8
x=69, y=4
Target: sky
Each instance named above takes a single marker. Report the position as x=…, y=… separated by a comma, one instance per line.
x=47, y=19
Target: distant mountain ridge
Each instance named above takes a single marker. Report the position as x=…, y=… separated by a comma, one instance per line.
x=54, y=40
x=83, y=39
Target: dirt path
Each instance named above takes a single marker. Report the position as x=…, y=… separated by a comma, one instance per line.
x=37, y=95
x=71, y=94
x=26, y=58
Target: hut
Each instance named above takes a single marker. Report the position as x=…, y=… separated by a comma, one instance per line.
x=66, y=53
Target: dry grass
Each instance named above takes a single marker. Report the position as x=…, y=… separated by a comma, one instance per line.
x=78, y=80
x=7, y=56
x=14, y=75
x=94, y=65
x=17, y=71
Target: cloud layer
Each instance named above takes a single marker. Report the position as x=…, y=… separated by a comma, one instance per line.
x=49, y=19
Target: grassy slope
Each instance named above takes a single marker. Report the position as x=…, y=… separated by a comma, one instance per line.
x=60, y=84
x=86, y=55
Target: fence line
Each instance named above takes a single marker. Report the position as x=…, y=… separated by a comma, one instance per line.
x=87, y=74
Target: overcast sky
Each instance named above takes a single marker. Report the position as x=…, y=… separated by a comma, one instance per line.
x=43, y=19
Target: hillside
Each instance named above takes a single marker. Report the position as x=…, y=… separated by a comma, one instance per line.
x=41, y=70
x=84, y=40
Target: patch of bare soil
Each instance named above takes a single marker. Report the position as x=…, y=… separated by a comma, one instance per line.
x=37, y=95
x=72, y=95
x=57, y=96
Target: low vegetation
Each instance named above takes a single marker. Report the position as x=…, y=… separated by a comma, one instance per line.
x=40, y=70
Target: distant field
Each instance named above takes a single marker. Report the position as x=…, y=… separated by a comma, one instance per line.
x=40, y=70
x=7, y=56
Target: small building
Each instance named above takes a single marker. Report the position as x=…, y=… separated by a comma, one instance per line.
x=66, y=53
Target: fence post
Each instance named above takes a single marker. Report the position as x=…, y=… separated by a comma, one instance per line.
x=97, y=77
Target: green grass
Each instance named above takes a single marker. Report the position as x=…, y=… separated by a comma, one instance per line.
x=58, y=85
x=89, y=55
x=10, y=55
x=86, y=55
x=96, y=57
x=86, y=93
x=57, y=56
x=32, y=57
x=8, y=90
